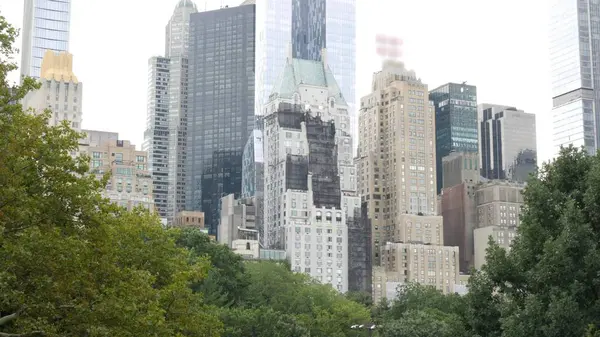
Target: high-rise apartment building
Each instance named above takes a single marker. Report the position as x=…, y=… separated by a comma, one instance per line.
x=574, y=55
x=60, y=91
x=130, y=183
x=165, y=137
x=221, y=110
x=156, y=136
x=306, y=26
x=397, y=170
x=46, y=26
x=396, y=156
x=310, y=177
x=455, y=121
x=507, y=142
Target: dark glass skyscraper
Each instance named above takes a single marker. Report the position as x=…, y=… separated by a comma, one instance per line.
x=455, y=122
x=221, y=112
x=308, y=29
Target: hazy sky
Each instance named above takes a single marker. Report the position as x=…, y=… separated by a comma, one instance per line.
x=499, y=46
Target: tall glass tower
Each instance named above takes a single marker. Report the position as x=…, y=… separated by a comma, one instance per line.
x=575, y=73
x=309, y=26
x=455, y=122
x=46, y=26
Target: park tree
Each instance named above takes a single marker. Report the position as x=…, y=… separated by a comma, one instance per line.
x=72, y=263
x=548, y=284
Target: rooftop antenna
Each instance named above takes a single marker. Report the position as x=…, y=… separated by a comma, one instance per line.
x=465, y=82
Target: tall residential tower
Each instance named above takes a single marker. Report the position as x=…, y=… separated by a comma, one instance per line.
x=166, y=130
x=310, y=179
x=397, y=179
x=46, y=26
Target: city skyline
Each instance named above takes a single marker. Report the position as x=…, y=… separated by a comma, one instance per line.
x=493, y=74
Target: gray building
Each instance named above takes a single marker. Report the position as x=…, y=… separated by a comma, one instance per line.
x=166, y=130
x=507, y=142
x=221, y=110
x=455, y=121
x=575, y=76
x=46, y=26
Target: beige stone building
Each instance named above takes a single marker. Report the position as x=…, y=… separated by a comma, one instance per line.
x=385, y=284
x=130, y=183
x=498, y=208
x=499, y=203
x=435, y=266
x=503, y=236
x=396, y=153
x=189, y=219
x=397, y=180
x=60, y=91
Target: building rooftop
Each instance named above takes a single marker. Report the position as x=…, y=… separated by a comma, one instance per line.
x=314, y=73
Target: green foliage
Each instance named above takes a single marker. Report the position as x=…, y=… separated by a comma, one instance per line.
x=72, y=264
x=422, y=311
x=226, y=282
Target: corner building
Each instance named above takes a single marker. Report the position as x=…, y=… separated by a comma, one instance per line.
x=310, y=178
x=397, y=179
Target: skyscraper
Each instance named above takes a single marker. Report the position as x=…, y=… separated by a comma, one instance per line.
x=574, y=57
x=310, y=177
x=221, y=111
x=507, y=142
x=46, y=26
x=308, y=28
x=166, y=131
x=455, y=121
x=397, y=169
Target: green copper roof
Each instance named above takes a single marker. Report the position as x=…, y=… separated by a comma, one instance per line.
x=307, y=72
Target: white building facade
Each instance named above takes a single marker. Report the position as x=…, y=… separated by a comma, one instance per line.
x=310, y=178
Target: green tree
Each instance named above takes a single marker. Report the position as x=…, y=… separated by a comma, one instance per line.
x=227, y=281
x=548, y=284
x=425, y=323
x=73, y=264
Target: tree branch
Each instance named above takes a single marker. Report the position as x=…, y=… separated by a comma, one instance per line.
x=9, y=318
x=29, y=334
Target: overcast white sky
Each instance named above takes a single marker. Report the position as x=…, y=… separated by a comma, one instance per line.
x=499, y=46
